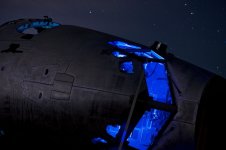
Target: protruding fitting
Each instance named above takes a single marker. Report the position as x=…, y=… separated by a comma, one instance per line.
x=160, y=48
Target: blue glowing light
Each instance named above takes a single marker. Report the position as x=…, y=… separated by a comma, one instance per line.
x=113, y=130
x=127, y=67
x=134, y=50
x=152, y=121
x=37, y=24
x=154, y=55
x=147, y=129
x=123, y=45
x=98, y=140
x=142, y=54
x=118, y=54
x=157, y=82
x=151, y=54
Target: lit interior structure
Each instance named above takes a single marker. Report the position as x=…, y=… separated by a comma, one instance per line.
x=153, y=120
x=44, y=24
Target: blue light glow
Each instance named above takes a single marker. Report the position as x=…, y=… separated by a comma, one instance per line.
x=147, y=129
x=134, y=50
x=118, y=54
x=98, y=140
x=152, y=121
x=37, y=24
x=123, y=45
x=123, y=136
x=154, y=55
x=151, y=55
x=142, y=54
x=157, y=82
x=127, y=67
x=113, y=130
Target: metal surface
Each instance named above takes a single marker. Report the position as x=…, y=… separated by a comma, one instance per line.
x=63, y=87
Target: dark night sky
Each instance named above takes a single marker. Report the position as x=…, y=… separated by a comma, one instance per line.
x=195, y=30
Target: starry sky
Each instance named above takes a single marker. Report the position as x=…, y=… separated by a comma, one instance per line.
x=194, y=30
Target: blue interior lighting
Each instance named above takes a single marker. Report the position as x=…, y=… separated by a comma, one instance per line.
x=127, y=67
x=157, y=82
x=147, y=129
x=123, y=45
x=152, y=121
x=142, y=54
x=98, y=140
x=37, y=24
x=113, y=130
x=118, y=54
x=134, y=49
x=153, y=54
